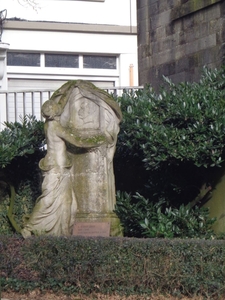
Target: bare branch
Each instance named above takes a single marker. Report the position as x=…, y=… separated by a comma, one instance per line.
x=30, y=3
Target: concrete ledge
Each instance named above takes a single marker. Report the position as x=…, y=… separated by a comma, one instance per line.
x=68, y=27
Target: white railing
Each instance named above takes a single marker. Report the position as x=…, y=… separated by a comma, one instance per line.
x=15, y=104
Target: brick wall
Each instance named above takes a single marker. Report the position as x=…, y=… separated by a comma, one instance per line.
x=176, y=38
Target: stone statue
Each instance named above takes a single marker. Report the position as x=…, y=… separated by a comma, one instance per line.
x=82, y=124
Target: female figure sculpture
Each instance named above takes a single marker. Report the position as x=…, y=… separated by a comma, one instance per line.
x=54, y=212
x=82, y=124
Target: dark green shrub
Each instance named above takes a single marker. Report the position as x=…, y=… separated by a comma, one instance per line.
x=171, y=143
x=142, y=218
x=184, y=122
x=21, y=148
x=20, y=139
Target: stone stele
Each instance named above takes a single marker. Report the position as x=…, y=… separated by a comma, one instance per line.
x=81, y=128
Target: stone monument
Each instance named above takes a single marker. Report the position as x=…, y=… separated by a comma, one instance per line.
x=82, y=124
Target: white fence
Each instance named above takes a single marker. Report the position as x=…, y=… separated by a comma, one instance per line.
x=15, y=104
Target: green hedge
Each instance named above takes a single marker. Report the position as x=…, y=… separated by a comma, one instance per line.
x=113, y=265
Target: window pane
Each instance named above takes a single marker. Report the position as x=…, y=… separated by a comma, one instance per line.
x=99, y=62
x=61, y=61
x=23, y=59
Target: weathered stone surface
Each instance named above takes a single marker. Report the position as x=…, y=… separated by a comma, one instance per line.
x=174, y=30
x=82, y=124
x=191, y=6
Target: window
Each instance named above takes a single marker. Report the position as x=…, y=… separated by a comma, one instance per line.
x=99, y=62
x=23, y=59
x=61, y=61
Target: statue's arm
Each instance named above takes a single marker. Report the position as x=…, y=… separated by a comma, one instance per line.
x=83, y=139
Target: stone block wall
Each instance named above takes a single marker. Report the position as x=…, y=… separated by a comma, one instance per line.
x=176, y=38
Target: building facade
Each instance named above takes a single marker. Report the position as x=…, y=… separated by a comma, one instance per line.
x=176, y=38
x=75, y=40
x=45, y=52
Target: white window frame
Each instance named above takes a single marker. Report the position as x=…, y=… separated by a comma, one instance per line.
x=80, y=71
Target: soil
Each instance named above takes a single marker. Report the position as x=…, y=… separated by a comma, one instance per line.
x=37, y=295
